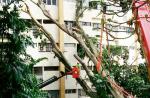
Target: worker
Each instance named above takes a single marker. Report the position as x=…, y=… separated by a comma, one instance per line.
x=75, y=72
x=79, y=67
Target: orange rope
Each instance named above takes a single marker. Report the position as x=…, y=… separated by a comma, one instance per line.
x=101, y=39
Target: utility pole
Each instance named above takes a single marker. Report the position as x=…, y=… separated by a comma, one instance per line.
x=61, y=46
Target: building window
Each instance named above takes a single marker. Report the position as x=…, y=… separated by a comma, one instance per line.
x=9, y=1
x=53, y=2
x=70, y=91
x=109, y=26
x=53, y=94
x=48, y=47
x=51, y=68
x=45, y=47
x=69, y=45
x=50, y=2
x=35, y=33
x=38, y=72
x=126, y=29
x=115, y=28
x=86, y=23
x=5, y=1
x=96, y=25
x=69, y=24
x=41, y=47
x=70, y=1
x=47, y=22
x=82, y=92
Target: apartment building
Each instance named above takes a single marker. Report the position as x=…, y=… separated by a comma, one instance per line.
x=64, y=12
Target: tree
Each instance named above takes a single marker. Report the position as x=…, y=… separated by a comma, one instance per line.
x=88, y=46
x=16, y=76
x=126, y=75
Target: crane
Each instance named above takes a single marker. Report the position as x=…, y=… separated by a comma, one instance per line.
x=141, y=11
x=74, y=72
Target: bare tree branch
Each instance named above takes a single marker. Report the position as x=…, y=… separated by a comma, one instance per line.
x=60, y=55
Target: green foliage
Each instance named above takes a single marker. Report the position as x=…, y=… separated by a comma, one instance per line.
x=93, y=4
x=16, y=76
x=94, y=40
x=118, y=50
x=80, y=51
x=131, y=80
x=102, y=86
x=127, y=76
x=125, y=4
x=142, y=70
x=37, y=33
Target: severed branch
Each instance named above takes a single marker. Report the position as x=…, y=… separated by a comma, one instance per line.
x=60, y=55
x=63, y=28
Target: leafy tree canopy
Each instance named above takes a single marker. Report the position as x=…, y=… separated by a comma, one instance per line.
x=16, y=76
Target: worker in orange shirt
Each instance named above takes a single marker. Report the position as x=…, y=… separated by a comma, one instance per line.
x=79, y=67
x=75, y=72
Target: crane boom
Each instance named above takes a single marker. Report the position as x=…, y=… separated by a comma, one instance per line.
x=142, y=9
